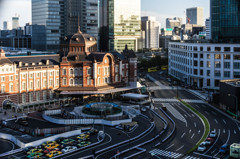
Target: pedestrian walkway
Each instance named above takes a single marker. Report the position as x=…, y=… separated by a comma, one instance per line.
x=169, y=154
x=163, y=100
x=174, y=112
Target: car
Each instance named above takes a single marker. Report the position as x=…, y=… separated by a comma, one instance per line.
x=92, y=131
x=164, y=108
x=213, y=133
x=68, y=149
x=209, y=141
x=83, y=137
x=49, y=150
x=26, y=149
x=35, y=155
x=224, y=149
x=84, y=143
x=34, y=151
x=53, y=153
x=49, y=142
x=202, y=147
x=51, y=146
x=143, y=109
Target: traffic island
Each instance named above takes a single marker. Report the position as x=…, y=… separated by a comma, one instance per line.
x=206, y=125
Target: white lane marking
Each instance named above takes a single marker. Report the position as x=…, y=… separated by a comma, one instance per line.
x=216, y=121
x=169, y=146
x=197, y=106
x=184, y=111
x=185, y=115
x=192, y=135
x=193, y=115
x=224, y=131
x=207, y=113
x=213, y=143
x=199, y=131
x=195, y=124
x=229, y=134
x=235, y=132
x=190, y=131
x=182, y=135
x=224, y=121
x=180, y=148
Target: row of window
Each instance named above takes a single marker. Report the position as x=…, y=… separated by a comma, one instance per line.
x=37, y=95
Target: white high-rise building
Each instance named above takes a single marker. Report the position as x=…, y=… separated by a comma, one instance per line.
x=173, y=22
x=7, y=25
x=15, y=22
x=208, y=29
x=195, y=16
x=151, y=27
x=203, y=65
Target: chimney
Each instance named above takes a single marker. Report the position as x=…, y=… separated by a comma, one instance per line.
x=20, y=64
x=47, y=62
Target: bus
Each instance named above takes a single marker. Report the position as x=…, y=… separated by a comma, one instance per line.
x=152, y=69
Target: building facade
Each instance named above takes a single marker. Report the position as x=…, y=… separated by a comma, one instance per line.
x=15, y=22
x=27, y=80
x=225, y=17
x=208, y=29
x=151, y=28
x=173, y=22
x=78, y=70
x=203, y=65
x=195, y=16
x=7, y=25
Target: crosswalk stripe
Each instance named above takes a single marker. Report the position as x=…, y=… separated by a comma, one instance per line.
x=169, y=154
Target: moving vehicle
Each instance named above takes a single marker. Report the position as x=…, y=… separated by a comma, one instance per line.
x=202, y=147
x=68, y=149
x=209, y=141
x=224, y=149
x=213, y=134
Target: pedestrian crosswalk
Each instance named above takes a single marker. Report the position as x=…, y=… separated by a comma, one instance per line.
x=169, y=154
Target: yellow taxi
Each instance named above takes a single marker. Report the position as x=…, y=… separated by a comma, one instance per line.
x=51, y=146
x=49, y=142
x=53, y=153
x=34, y=151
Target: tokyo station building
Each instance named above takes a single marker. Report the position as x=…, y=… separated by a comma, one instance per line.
x=76, y=72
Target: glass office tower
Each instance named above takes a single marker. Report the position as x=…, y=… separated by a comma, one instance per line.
x=124, y=24
x=225, y=19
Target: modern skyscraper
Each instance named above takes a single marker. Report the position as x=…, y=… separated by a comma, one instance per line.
x=7, y=25
x=151, y=28
x=225, y=18
x=208, y=28
x=195, y=16
x=173, y=22
x=15, y=22
x=124, y=24
x=60, y=18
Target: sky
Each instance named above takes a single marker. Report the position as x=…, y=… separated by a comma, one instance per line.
x=161, y=9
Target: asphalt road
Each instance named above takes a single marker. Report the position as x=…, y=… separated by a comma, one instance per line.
x=6, y=146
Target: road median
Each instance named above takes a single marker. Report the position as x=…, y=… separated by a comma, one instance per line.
x=206, y=125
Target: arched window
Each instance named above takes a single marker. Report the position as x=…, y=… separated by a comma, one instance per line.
x=76, y=71
x=64, y=71
x=76, y=81
x=71, y=71
x=71, y=82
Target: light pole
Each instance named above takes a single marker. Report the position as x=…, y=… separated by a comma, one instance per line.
x=236, y=104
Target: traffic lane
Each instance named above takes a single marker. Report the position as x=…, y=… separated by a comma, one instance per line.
x=224, y=126
x=186, y=136
x=6, y=146
x=173, y=93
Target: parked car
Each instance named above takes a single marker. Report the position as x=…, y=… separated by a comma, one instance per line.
x=68, y=149
x=27, y=149
x=84, y=143
x=51, y=146
x=53, y=153
x=209, y=141
x=49, y=150
x=92, y=132
x=202, y=147
x=34, y=151
x=35, y=155
x=143, y=109
x=224, y=149
x=48, y=142
x=213, y=133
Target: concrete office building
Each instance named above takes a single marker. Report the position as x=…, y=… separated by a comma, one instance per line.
x=208, y=28
x=151, y=28
x=195, y=16
x=15, y=22
x=204, y=64
x=7, y=25
x=122, y=23
x=173, y=22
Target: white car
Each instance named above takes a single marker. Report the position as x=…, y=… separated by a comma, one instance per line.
x=144, y=109
x=68, y=149
x=202, y=147
x=213, y=134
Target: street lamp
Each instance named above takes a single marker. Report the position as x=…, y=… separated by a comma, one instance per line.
x=236, y=104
